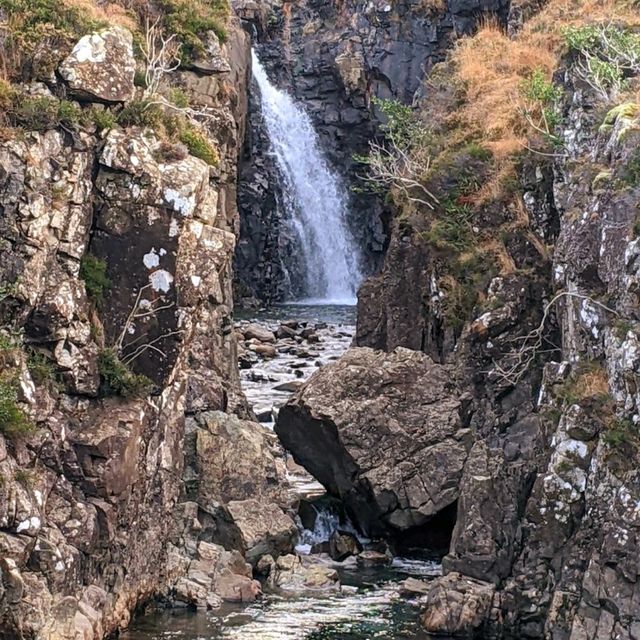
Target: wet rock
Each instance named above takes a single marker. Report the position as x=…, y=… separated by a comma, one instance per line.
x=264, y=350
x=412, y=587
x=457, y=606
x=258, y=332
x=368, y=559
x=289, y=387
x=284, y=332
x=342, y=545
x=393, y=457
x=101, y=66
x=293, y=573
x=212, y=59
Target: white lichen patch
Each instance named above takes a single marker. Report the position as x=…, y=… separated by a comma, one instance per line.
x=174, y=228
x=91, y=48
x=161, y=280
x=184, y=204
x=151, y=260
x=32, y=523
x=196, y=280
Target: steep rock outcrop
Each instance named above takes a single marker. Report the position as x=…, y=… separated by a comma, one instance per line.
x=116, y=330
x=391, y=429
x=546, y=525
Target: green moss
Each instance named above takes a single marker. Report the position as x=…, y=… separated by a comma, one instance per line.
x=452, y=229
x=631, y=170
x=23, y=476
x=93, y=272
x=178, y=97
x=103, y=118
x=478, y=152
x=39, y=33
x=619, y=432
x=198, y=145
x=141, y=113
x=118, y=379
x=14, y=424
x=190, y=20
x=140, y=78
x=41, y=113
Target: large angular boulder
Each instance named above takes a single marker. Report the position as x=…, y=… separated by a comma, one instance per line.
x=101, y=66
x=264, y=528
x=384, y=432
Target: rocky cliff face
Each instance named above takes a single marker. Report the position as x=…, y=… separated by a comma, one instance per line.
x=335, y=58
x=116, y=340
x=544, y=544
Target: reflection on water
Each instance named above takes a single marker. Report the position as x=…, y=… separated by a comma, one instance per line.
x=370, y=609
x=336, y=314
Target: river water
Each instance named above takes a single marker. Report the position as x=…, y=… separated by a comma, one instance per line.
x=368, y=605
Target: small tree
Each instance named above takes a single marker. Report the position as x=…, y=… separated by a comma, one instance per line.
x=402, y=162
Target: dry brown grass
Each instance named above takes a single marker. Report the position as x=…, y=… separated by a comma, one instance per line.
x=431, y=6
x=491, y=67
x=593, y=383
x=110, y=12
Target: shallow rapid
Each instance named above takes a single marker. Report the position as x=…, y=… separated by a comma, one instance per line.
x=369, y=601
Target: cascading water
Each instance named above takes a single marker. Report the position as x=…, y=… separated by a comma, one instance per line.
x=315, y=200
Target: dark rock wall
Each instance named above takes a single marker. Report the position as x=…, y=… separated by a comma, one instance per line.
x=334, y=57
x=545, y=544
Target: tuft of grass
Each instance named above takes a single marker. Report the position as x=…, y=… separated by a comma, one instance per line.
x=452, y=231
x=179, y=97
x=39, y=113
x=37, y=34
x=42, y=370
x=191, y=20
x=103, y=118
x=198, y=145
x=620, y=432
x=93, y=272
x=14, y=423
x=141, y=113
x=118, y=379
x=23, y=476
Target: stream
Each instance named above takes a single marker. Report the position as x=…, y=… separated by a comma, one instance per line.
x=368, y=603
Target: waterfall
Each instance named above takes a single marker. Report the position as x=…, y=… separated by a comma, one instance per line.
x=315, y=200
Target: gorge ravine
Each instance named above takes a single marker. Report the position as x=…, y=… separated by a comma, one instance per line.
x=488, y=407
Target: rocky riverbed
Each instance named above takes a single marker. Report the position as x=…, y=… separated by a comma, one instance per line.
x=337, y=584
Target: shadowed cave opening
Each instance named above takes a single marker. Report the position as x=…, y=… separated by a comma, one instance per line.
x=434, y=536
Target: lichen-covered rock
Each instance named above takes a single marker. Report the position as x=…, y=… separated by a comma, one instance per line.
x=391, y=432
x=101, y=66
x=106, y=246
x=303, y=574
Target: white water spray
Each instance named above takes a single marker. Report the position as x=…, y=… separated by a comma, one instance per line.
x=315, y=199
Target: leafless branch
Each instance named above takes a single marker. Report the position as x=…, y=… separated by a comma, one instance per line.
x=529, y=346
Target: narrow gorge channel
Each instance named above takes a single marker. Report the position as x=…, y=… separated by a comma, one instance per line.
x=338, y=583
x=319, y=319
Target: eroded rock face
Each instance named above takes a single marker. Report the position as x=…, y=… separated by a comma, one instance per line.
x=545, y=539
x=101, y=66
x=93, y=513
x=392, y=435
